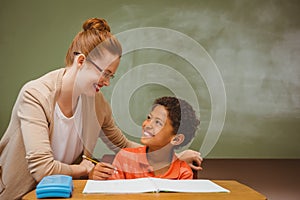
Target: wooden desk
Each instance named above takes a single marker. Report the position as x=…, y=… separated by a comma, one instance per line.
x=238, y=191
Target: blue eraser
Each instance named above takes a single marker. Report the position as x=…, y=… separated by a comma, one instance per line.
x=55, y=186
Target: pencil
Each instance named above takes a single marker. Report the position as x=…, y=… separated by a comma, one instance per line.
x=90, y=159
x=95, y=162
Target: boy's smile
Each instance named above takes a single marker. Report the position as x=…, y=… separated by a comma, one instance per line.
x=147, y=134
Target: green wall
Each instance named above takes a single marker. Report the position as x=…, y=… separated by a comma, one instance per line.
x=244, y=61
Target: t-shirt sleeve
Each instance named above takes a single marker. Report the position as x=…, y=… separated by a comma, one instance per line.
x=185, y=171
x=119, y=173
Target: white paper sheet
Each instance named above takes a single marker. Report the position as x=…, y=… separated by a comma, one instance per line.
x=141, y=185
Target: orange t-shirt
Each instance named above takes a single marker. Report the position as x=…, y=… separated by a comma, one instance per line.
x=132, y=163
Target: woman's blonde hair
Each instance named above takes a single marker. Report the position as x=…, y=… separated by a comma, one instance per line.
x=93, y=40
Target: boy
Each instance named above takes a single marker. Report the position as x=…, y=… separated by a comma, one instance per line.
x=171, y=124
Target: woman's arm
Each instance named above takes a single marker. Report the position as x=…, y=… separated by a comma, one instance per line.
x=33, y=112
x=111, y=135
x=193, y=158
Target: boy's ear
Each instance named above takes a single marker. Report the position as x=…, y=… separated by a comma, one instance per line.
x=177, y=139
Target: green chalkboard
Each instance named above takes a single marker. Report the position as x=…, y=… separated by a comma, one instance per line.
x=236, y=62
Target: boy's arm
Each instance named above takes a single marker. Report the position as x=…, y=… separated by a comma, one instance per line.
x=102, y=171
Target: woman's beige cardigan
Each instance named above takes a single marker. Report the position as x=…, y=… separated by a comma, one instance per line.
x=25, y=151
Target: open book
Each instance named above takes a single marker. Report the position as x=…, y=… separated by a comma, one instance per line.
x=151, y=185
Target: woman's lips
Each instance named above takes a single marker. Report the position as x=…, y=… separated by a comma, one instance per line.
x=97, y=87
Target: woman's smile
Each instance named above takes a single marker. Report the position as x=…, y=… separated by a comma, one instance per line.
x=97, y=87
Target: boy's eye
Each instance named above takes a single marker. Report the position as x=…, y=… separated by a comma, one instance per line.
x=159, y=123
x=148, y=117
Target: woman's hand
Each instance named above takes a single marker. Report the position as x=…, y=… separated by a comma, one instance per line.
x=83, y=169
x=88, y=165
x=102, y=171
x=193, y=158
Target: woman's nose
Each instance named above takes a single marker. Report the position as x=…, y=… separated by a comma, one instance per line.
x=106, y=82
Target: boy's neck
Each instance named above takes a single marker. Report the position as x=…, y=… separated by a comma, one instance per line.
x=160, y=159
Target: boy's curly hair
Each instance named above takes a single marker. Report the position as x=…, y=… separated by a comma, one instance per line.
x=182, y=116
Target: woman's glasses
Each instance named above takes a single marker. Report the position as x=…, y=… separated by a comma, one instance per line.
x=104, y=73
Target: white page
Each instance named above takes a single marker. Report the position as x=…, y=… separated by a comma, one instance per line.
x=194, y=185
x=119, y=186
x=141, y=185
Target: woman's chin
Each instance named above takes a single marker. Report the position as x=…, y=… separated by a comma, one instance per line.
x=90, y=93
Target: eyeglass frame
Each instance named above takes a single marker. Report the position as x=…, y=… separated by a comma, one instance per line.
x=103, y=73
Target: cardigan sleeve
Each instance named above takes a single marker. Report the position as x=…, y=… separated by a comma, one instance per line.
x=110, y=134
x=35, y=131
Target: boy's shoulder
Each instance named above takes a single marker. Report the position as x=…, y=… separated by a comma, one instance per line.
x=131, y=155
x=181, y=163
x=141, y=149
x=181, y=169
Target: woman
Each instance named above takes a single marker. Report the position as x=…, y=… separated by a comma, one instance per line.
x=59, y=116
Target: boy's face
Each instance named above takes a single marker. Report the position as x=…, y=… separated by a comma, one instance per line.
x=157, y=130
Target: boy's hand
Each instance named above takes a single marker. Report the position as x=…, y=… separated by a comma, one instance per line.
x=102, y=171
x=193, y=158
